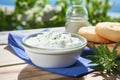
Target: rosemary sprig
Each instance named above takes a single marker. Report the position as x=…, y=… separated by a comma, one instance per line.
x=106, y=60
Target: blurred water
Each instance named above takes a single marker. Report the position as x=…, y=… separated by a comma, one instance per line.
x=115, y=8
x=114, y=12
x=7, y=2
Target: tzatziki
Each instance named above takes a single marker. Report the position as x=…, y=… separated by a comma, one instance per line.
x=53, y=40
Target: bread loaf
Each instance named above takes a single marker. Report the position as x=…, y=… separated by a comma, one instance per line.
x=90, y=34
x=109, y=30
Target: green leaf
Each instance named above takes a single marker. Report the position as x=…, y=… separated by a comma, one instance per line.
x=117, y=44
x=107, y=60
x=98, y=67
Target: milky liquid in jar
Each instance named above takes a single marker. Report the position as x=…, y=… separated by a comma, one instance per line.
x=73, y=24
x=76, y=17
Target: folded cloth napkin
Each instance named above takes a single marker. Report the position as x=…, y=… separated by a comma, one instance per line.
x=80, y=68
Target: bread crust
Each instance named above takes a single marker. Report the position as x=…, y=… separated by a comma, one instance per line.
x=90, y=34
x=109, y=30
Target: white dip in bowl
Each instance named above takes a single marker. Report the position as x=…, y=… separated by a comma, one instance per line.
x=54, y=49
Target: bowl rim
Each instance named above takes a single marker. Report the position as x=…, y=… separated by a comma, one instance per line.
x=83, y=44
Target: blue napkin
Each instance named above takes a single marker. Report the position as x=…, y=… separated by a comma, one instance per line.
x=80, y=68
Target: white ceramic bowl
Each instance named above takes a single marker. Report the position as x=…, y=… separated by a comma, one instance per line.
x=54, y=58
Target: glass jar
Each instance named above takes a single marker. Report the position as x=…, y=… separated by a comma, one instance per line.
x=76, y=17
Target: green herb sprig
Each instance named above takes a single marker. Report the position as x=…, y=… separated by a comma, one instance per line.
x=106, y=60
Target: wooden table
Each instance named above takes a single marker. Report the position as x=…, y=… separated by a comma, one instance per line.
x=13, y=68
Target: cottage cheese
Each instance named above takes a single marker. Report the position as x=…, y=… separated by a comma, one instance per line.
x=54, y=40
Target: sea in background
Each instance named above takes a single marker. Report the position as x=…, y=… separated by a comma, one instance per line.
x=114, y=12
x=115, y=8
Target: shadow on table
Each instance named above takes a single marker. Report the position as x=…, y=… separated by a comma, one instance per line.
x=106, y=77
x=9, y=49
x=33, y=73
